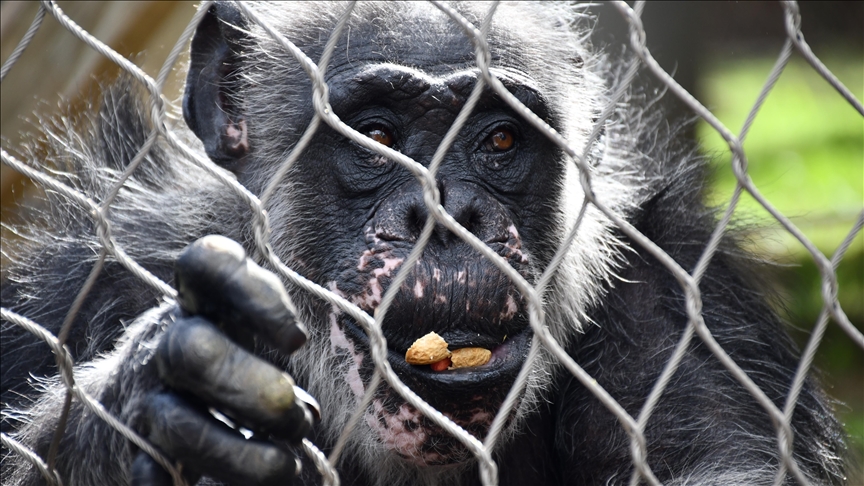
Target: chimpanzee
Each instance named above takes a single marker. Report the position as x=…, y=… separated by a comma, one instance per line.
x=206, y=379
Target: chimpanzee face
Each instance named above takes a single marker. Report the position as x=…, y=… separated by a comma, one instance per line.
x=499, y=181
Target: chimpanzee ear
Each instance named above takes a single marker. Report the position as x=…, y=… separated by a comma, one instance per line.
x=208, y=108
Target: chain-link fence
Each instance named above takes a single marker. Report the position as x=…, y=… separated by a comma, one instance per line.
x=688, y=280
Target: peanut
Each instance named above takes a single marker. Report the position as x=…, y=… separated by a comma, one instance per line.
x=467, y=357
x=427, y=350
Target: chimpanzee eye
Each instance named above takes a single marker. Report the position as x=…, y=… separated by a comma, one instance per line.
x=380, y=134
x=500, y=140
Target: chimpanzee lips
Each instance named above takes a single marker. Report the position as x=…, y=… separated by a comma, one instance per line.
x=506, y=361
x=471, y=397
x=452, y=291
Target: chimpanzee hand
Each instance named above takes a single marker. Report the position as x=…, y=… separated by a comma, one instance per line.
x=203, y=359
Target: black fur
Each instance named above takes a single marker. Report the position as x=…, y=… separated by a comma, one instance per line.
x=703, y=406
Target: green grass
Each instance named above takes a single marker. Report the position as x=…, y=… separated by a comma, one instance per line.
x=805, y=149
x=806, y=157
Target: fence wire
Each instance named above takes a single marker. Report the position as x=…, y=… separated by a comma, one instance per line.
x=689, y=281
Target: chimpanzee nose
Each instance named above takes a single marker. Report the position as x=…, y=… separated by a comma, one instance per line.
x=403, y=215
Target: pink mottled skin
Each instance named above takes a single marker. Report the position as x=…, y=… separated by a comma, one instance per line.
x=338, y=340
x=514, y=244
x=375, y=291
x=481, y=416
x=510, y=310
x=396, y=434
x=238, y=135
x=398, y=425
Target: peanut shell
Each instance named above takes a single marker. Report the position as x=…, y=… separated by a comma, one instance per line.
x=468, y=357
x=428, y=349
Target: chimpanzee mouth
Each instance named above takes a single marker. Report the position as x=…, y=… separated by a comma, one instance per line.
x=504, y=364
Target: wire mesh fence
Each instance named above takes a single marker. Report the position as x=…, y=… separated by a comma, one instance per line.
x=533, y=294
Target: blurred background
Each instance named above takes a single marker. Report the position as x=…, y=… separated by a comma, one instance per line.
x=805, y=149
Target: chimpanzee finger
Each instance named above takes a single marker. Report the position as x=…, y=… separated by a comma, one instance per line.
x=203, y=444
x=146, y=471
x=194, y=356
x=215, y=279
